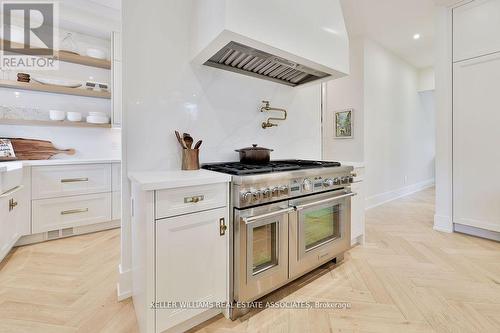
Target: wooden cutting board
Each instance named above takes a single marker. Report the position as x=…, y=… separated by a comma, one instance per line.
x=29, y=149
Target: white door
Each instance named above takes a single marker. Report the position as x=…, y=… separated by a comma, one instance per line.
x=476, y=135
x=191, y=263
x=476, y=29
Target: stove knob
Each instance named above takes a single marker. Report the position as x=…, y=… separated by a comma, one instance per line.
x=351, y=179
x=283, y=190
x=336, y=181
x=307, y=185
x=247, y=196
x=275, y=192
x=256, y=195
x=328, y=182
x=345, y=180
x=266, y=193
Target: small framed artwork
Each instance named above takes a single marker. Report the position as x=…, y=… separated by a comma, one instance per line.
x=6, y=150
x=344, y=124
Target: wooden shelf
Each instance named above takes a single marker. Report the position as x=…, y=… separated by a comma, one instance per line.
x=73, y=58
x=54, y=89
x=83, y=60
x=63, y=123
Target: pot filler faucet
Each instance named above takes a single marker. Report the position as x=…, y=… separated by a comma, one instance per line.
x=267, y=108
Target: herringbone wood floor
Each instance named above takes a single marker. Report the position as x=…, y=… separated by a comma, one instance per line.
x=407, y=278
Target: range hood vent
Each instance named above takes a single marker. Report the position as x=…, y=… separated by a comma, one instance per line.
x=246, y=60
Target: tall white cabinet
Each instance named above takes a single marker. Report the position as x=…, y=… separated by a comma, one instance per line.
x=476, y=118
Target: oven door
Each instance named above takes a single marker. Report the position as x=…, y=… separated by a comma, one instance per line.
x=260, y=250
x=320, y=230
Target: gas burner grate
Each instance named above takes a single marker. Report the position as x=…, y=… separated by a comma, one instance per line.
x=240, y=169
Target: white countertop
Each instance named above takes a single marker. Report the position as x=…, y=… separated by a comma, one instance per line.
x=353, y=164
x=161, y=180
x=9, y=166
x=60, y=162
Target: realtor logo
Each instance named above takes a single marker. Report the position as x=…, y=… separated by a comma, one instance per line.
x=29, y=35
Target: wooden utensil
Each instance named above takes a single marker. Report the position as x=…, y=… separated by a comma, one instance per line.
x=198, y=144
x=29, y=149
x=188, y=140
x=181, y=142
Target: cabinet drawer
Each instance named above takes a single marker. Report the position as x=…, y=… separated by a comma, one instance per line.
x=186, y=200
x=66, y=180
x=58, y=213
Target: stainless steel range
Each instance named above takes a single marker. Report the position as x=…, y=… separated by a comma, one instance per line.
x=288, y=218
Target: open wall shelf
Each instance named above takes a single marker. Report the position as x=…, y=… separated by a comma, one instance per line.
x=73, y=58
x=54, y=89
x=64, y=123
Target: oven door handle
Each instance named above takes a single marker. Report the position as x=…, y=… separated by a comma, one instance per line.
x=319, y=202
x=252, y=219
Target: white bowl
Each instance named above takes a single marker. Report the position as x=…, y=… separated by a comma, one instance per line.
x=57, y=115
x=74, y=116
x=98, y=120
x=97, y=114
x=96, y=53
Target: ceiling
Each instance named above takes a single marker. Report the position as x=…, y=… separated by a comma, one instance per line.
x=392, y=23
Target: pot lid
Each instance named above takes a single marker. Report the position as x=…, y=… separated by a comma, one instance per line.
x=254, y=147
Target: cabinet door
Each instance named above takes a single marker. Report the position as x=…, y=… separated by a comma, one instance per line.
x=476, y=29
x=476, y=134
x=12, y=208
x=191, y=263
x=357, y=211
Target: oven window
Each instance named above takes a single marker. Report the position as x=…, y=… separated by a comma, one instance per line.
x=264, y=247
x=321, y=225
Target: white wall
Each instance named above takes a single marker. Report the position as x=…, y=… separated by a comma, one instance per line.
x=346, y=93
x=426, y=80
x=400, y=130
x=164, y=91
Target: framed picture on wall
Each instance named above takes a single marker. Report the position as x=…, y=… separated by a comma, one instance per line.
x=6, y=150
x=343, y=124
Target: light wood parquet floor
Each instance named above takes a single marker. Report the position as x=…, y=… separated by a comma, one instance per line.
x=406, y=278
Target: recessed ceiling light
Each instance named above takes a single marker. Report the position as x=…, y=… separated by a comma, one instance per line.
x=416, y=36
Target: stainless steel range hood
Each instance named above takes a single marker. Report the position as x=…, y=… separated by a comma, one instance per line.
x=246, y=60
x=292, y=42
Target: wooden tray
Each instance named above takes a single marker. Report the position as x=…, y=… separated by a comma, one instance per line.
x=30, y=149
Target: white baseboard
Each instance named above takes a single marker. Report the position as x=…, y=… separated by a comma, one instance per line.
x=124, y=285
x=382, y=198
x=443, y=223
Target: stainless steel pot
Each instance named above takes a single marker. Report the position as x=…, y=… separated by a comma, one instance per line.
x=254, y=155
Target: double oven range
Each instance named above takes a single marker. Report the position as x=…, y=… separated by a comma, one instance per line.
x=288, y=218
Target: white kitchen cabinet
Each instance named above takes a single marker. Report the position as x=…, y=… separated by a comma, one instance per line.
x=358, y=208
x=191, y=263
x=116, y=176
x=12, y=212
x=66, y=180
x=179, y=257
x=476, y=29
x=73, y=211
x=476, y=119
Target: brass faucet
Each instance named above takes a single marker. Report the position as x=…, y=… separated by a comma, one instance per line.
x=268, y=108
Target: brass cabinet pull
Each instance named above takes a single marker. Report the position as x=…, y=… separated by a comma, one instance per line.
x=194, y=199
x=74, y=180
x=74, y=211
x=222, y=226
x=12, y=204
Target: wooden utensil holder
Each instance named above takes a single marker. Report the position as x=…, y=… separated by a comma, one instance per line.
x=190, y=159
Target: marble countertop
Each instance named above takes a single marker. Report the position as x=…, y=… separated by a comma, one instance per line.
x=11, y=165
x=161, y=180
